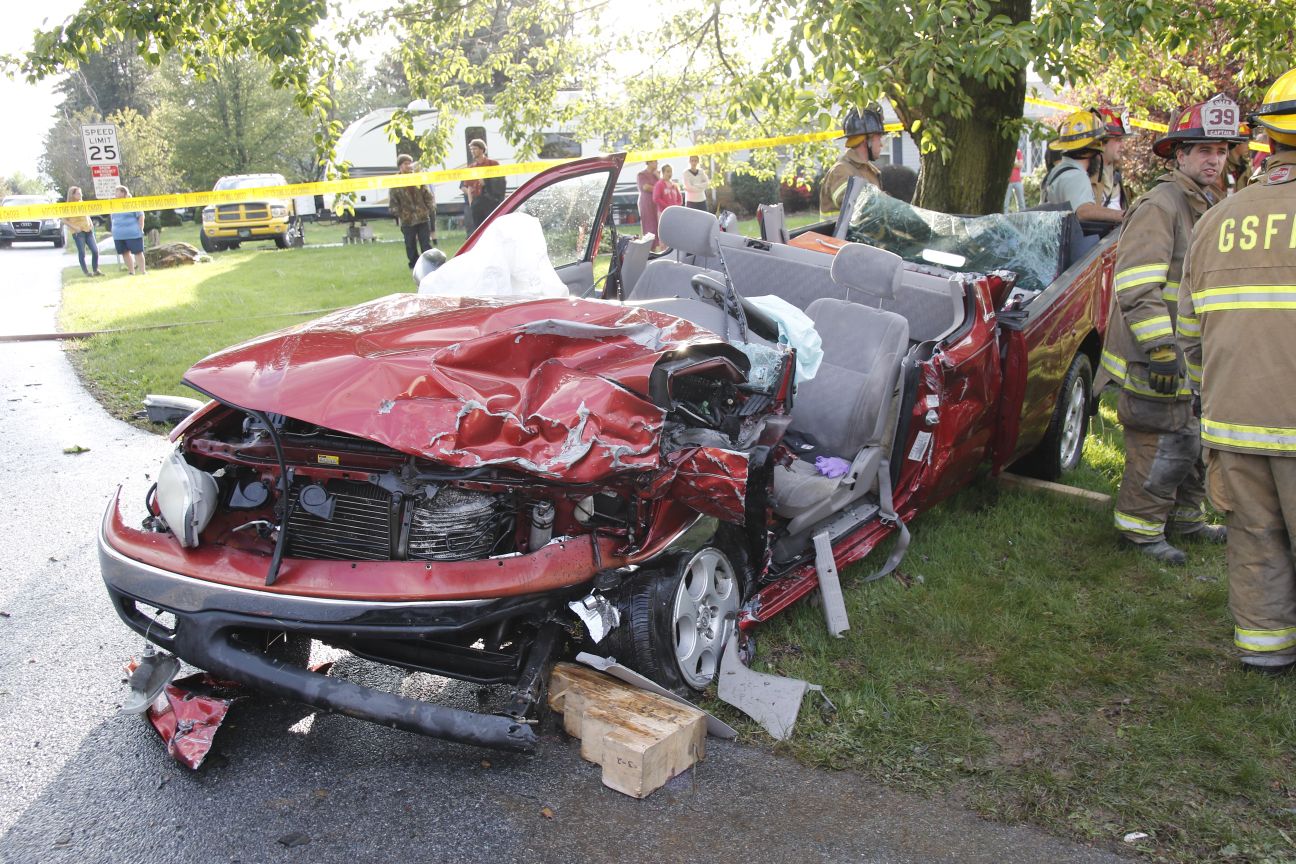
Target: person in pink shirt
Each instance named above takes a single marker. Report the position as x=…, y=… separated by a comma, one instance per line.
x=666, y=193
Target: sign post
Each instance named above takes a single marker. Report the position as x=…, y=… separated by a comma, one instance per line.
x=103, y=156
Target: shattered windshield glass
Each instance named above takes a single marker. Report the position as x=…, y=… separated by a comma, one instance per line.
x=567, y=210
x=1028, y=243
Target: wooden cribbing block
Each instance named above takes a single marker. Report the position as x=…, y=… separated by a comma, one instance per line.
x=1097, y=500
x=641, y=739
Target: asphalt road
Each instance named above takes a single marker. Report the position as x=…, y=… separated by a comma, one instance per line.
x=79, y=783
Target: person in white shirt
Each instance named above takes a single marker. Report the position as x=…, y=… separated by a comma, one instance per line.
x=696, y=184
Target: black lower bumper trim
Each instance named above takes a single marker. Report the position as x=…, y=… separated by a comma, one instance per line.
x=204, y=641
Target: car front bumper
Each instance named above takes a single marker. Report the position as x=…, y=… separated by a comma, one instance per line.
x=245, y=230
x=32, y=231
x=212, y=620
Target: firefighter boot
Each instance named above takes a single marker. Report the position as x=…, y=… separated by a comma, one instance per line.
x=1162, y=551
x=1207, y=534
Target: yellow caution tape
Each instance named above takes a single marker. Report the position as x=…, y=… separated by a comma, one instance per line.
x=421, y=178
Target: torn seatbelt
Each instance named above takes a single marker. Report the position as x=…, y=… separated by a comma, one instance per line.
x=887, y=513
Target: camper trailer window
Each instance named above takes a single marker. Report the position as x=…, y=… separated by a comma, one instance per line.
x=560, y=145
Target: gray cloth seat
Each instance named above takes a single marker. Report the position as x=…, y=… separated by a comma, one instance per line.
x=634, y=260
x=850, y=406
x=692, y=234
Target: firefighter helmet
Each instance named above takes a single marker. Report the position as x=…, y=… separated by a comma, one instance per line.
x=1278, y=113
x=1081, y=130
x=866, y=122
x=1115, y=123
x=1214, y=120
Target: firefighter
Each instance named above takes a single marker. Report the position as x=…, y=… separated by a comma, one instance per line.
x=1108, y=185
x=1238, y=302
x=863, y=131
x=1163, y=488
x=1079, y=141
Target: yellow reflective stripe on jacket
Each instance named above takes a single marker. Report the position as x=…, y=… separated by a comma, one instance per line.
x=1190, y=326
x=1118, y=369
x=1170, y=293
x=1264, y=640
x=1135, y=525
x=1155, y=327
x=1142, y=275
x=1255, y=437
x=1195, y=372
x=1114, y=364
x=1245, y=297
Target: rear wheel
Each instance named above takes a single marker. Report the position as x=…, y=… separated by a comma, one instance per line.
x=676, y=620
x=1063, y=443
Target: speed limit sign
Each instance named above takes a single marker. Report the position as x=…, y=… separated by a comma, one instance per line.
x=100, y=141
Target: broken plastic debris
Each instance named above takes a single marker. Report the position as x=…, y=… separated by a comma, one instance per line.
x=715, y=726
x=600, y=616
x=76, y=450
x=188, y=713
x=147, y=678
x=771, y=700
x=1135, y=836
x=831, y=466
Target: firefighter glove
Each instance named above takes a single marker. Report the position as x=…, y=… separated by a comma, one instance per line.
x=1163, y=369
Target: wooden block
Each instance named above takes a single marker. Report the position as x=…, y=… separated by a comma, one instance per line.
x=641, y=739
x=1097, y=500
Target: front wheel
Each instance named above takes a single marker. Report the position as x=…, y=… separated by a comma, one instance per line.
x=58, y=244
x=675, y=620
x=208, y=245
x=1063, y=443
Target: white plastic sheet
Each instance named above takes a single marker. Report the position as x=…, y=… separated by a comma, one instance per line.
x=509, y=259
x=796, y=330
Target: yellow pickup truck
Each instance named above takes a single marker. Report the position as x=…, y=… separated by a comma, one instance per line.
x=225, y=226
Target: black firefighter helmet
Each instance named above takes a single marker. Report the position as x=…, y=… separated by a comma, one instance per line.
x=858, y=124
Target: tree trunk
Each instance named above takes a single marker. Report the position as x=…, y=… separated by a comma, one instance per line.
x=970, y=174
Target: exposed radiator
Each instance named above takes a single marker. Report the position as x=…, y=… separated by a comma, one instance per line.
x=361, y=528
x=450, y=525
x=456, y=525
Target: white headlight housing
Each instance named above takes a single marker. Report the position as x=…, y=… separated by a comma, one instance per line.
x=278, y=211
x=186, y=497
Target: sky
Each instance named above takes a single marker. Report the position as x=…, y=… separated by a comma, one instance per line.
x=29, y=108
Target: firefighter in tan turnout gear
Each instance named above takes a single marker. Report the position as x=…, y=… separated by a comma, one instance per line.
x=1163, y=488
x=1237, y=320
x=863, y=131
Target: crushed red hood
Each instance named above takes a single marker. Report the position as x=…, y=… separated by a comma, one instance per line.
x=556, y=388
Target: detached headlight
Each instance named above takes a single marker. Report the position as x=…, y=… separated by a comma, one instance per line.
x=278, y=211
x=209, y=214
x=186, y=498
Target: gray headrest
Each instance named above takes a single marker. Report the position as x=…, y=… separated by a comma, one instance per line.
x=688, y=230
x=868, y=269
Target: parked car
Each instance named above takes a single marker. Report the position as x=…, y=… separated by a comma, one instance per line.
x=225, y=226
x=37, y=230
x=472, y=487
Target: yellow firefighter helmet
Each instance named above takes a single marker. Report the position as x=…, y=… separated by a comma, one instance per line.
x=1081, y=130
x=1278, y=113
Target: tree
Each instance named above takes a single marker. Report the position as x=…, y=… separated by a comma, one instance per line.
x=19, y=183
x=232, y=121
x=111, y=79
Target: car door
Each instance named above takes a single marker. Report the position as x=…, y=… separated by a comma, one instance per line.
x=571, y=201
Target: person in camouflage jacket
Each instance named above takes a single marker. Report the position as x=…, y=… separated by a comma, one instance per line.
x=415, y=210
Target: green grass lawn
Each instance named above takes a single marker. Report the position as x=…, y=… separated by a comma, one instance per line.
x=1022, y=663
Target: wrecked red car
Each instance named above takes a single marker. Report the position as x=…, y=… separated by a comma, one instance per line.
x=475, y=486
